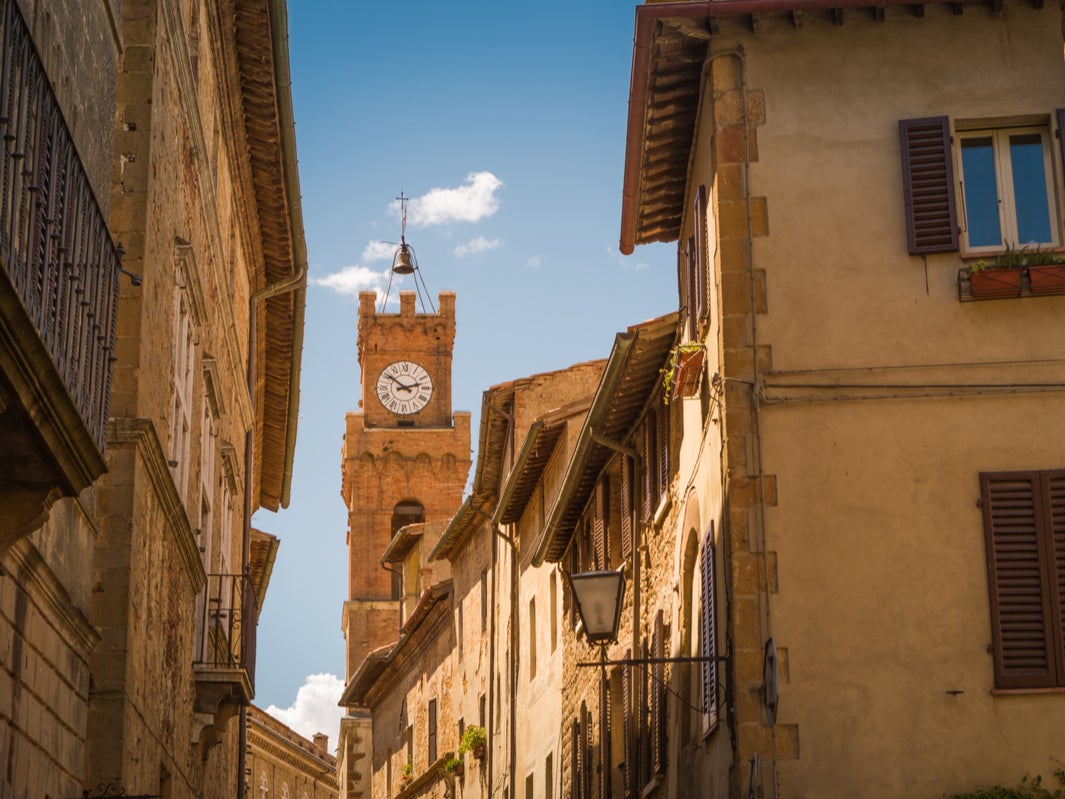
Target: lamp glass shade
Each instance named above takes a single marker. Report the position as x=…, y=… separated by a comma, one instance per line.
x=599, y=597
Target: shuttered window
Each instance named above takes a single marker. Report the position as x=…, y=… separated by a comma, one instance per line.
x=599, y=524
x=1024, y=528
x=928, y=185
x=432, y=731
x=691, y=301
x=575, y=765
x=663, y=450
x=708, y=633
x=650, y=467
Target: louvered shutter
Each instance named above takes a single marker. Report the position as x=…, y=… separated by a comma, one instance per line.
x=1054, y=492
x=663, y=449
x=643, y=772
x=650, y=464
x=628, y=729
x=1060, y=114
x=707, y=633
x=604, y=741
x=702, y=261
x=928, y=185
x=599, y=525
x=586, y=760
x=575, y=760
x=658, y=697
x=626, y=507
x=1019, y=580
x=691, y=279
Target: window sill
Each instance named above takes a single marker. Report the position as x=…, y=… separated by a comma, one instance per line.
x=1026, y=691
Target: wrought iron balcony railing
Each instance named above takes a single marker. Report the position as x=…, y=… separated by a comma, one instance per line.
x=227, y=617
x=55, y=246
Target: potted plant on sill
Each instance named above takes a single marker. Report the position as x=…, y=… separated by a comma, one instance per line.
x=999, y=276
x=455, y=766
x=406, y=775
x=473, y=740
x=1046, y=272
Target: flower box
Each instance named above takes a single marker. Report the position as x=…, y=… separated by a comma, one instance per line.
x=1047, y=279
x=992, y=282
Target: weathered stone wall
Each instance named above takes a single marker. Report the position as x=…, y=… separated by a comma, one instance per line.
x=283, y=763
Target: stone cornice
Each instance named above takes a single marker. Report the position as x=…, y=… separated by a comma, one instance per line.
x=141, y=434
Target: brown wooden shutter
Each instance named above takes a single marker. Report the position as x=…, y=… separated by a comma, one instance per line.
x=599, y=525
x=708, y=633
x=604, y=741
x=575, y=760
x=691, y=279
x=658, y=696
x=663, y=450
x=702, y=265
x=628, y=729
x=1018, y=580
x=650, y=465
x=643, y=772
x=928, y=185
x=626, y=507
x=432, y=731
x=586, y=760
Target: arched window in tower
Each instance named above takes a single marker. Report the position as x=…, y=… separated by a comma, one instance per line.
x=408, y=511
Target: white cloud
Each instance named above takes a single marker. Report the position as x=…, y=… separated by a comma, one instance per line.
x=626, y=262
x=475, y=247
x=352, y=279
x=534, y=262
x=378, y=250
x=470, y=202
x=315, y=708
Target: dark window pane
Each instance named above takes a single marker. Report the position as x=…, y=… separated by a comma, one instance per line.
x=1030, y=189
x=981, y=192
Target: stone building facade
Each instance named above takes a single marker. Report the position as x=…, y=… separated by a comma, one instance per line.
x=129, y=609
x=282, y=764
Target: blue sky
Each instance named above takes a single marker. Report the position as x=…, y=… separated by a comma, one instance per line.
x=505, y=124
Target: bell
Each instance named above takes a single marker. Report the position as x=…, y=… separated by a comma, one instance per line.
x=402, y=265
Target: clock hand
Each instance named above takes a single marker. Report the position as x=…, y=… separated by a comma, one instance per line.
x=402, y=385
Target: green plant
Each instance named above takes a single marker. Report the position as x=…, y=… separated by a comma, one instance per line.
x=452, y=764
x=473, y=737
x=669, y=371
x=1013, y=258
x=407, y=770
x=1028, y=789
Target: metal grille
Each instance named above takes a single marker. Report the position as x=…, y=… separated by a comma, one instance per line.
x=54, y=242
x=227, y=620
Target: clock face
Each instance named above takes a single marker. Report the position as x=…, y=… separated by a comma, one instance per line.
x=404, y=387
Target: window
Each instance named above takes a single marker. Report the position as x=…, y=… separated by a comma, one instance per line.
x=1005, y=184
x=181, y=402
x=1024, y=530
x=532, y=638
x=1007, y=188
x=484, y=601
x=554, y=610
x=431, y=744
x=549, y=777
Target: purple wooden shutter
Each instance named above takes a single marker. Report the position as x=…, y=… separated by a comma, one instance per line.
x=691, y=269
x=1015, y=528
x=1054, y=494
x=708, y=633
x=928, y=185
x=1060, y=114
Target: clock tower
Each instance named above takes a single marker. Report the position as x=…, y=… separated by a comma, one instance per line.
x=406, y=456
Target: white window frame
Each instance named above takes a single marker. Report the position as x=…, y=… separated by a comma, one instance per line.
x=1007, y=211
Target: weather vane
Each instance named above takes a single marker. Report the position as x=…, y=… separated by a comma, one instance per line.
x=405, y=262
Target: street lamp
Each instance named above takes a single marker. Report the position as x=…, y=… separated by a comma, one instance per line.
x=599, y=595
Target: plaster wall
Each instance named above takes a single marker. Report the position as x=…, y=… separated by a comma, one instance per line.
x=874, y=570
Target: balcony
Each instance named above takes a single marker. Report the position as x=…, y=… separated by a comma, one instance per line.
x=224, y=662
x=59, y=275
